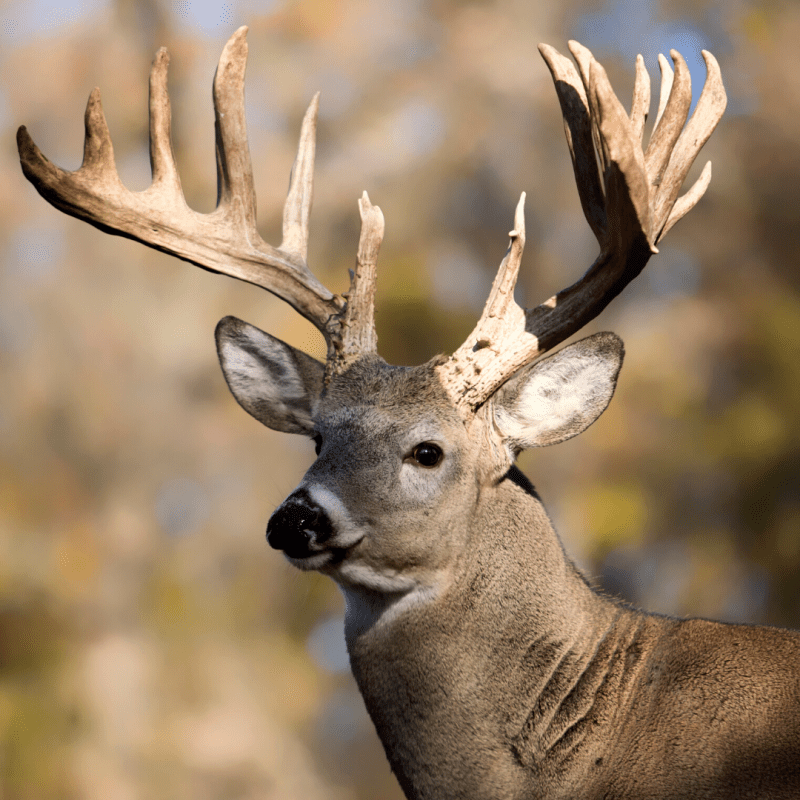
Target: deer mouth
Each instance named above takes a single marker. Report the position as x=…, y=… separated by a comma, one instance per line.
x=329, y=557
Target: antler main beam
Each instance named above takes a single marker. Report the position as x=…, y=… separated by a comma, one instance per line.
x=226, y=240
x=629, y=198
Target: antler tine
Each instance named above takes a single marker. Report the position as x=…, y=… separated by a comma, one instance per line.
x=707, y=114
x=670, y=121
x=166, y=180
x=500, y=344
x=585, y=61
x=640, y=105
x=226, y=240
x=98, y=167
x=358, y=320
x=236, y=199
x=578, y=129
x=629, y=204
x=297, y=210
x=667, y=77
x=683, y=205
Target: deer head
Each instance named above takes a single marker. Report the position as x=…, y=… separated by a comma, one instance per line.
x=395, y=439
x=413, y=504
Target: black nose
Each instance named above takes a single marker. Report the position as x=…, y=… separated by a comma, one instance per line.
x=299, y=526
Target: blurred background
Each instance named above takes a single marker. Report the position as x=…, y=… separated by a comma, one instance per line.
x=151, y=644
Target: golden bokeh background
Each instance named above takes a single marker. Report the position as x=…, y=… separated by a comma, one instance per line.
x=151, y=643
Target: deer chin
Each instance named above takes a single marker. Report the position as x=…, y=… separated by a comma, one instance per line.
x=310, y=562
x=326, y=560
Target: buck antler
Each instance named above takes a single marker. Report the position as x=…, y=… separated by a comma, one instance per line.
x=630, y=204
x=226, y=240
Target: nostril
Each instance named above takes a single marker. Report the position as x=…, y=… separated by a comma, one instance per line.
x=296, y=526
x=285, y=525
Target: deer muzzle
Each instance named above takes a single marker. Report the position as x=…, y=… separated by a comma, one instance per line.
x=300, y=527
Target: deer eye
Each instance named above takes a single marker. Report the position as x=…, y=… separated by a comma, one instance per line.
x=317, y=439
x=427, y=454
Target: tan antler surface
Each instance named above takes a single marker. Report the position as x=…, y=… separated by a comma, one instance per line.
x=629, y=198
x=226, y=240
x=358, y=334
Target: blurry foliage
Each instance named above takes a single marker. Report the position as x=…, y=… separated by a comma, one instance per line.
x=151, y=645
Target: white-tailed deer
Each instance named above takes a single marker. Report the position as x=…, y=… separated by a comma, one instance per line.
x=489, y=666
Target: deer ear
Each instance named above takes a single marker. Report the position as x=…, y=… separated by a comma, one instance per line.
x=560, y=396
x=271, y=380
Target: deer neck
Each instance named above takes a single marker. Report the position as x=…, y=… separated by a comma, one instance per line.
x=516, y=620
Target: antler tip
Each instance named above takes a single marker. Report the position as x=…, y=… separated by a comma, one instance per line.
x=369, y=213
x=364, y=203
x=160, y=60
x=556, y=63
x=29, y=153
x=235, y=49
x=94, y=117
x=679, y=60
x=579, y=51
x=519, y=219
x=308, y=128
x=36, y=167
x=23, y=138
x=712, y=65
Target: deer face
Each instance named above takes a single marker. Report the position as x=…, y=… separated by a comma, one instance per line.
x=387, y=504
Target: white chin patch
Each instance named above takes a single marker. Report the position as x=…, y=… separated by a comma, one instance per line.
x=366, y=577
x=372, y=597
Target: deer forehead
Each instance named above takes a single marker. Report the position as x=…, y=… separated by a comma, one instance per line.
x=371, y=381
x=400, y=403
x=366, y=463
x=364, y=423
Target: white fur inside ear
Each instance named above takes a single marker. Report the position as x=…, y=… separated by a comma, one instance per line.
x=267, y=375
x=271, y=380
x=559, y=397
